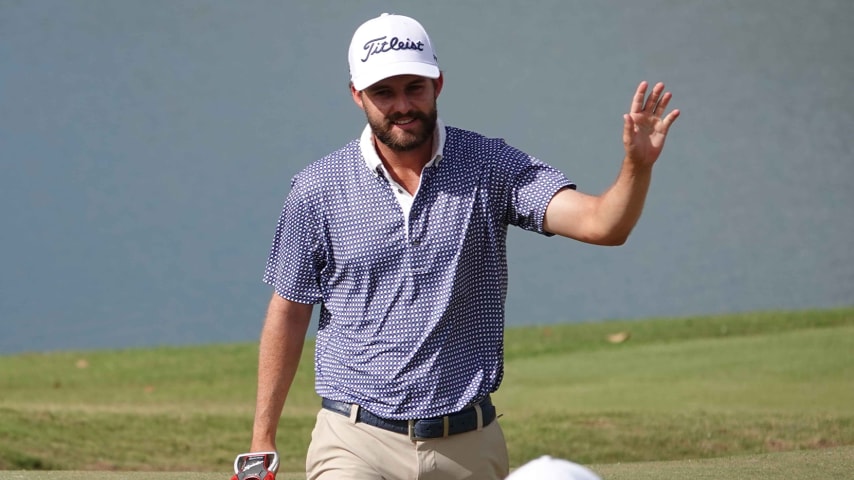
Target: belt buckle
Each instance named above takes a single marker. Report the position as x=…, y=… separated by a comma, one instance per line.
x=446, y=429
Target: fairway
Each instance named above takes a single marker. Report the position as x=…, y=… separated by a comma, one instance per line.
x=826, y=464
x=762, y=395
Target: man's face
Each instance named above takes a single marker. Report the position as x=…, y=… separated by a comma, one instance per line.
x=401, y=110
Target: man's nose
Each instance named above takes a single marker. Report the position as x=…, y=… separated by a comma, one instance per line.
x=402, y=104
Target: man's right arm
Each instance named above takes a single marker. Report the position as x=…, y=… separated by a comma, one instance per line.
x=282, y=340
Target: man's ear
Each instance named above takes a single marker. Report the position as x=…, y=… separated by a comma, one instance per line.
x=357, y=96
x=438, y=83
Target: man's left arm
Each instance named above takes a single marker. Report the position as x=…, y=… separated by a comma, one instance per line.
x=609, y=218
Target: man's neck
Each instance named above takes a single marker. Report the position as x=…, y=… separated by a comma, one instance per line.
x=405, y=167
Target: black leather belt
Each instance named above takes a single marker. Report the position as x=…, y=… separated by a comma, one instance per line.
x=463, y=421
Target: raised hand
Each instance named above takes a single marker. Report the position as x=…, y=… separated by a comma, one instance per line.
x=645, y=127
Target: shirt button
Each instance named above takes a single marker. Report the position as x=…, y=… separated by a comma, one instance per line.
x=416, y=242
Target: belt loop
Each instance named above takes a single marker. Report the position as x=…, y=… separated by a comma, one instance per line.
x=354, y=413
x=446, y=426
x=411, y=427
x=479, y=412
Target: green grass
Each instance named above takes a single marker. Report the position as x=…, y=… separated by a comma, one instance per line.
x=661, y=398
x=823, y=464
x=680, y=395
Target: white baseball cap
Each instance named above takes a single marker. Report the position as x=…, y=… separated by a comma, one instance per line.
x=390, y=45
x=548, y=468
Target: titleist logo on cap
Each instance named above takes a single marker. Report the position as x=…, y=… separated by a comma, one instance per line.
x=379, y=45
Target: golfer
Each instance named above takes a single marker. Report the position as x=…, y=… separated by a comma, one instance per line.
x=400, y=237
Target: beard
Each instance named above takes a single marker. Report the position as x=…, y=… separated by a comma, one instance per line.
x=404, y=141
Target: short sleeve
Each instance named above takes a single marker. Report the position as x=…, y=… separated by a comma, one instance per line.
x=532, y=184
x=296, y=257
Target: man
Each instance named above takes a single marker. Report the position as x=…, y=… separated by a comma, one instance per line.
x=400, y=237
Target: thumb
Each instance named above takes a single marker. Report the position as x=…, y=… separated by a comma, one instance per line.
x=628, y=128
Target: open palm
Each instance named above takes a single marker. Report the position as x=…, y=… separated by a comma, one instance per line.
x=645, y=126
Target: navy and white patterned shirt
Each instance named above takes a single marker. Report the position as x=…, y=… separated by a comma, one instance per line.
x=412, y=313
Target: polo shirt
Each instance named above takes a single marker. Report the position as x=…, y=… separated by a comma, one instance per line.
x=412, y=312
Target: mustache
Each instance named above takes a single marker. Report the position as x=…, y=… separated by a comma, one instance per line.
x=411, y=114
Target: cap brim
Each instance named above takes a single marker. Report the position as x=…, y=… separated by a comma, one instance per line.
x=402, y=68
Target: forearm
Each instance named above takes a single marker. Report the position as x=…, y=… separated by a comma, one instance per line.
x=607, y=219
x=620, y=207
x=281, y=345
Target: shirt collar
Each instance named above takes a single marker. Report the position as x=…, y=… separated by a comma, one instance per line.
x=372, y=159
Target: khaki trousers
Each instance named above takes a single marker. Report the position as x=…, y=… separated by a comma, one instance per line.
x=342, y=449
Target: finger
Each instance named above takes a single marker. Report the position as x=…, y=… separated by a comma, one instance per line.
x=652, y=101
x=628, y=128
x=661, y=106
x=669, y=119
x=637, y=100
